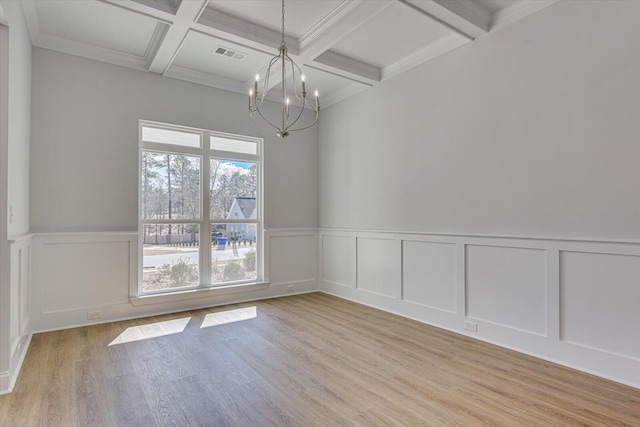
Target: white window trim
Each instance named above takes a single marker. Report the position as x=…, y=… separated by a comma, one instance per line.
x=205, y=220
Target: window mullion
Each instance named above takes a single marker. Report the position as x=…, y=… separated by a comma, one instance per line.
x=205, y=239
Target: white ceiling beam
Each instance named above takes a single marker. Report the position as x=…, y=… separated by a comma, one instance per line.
x=518, y=10
x=427, y=53
x=228, y=27
x=340, y=23
x=461, y=16
x=347, y=67
x=187, y=14
x=163, y=5
x=141, y=8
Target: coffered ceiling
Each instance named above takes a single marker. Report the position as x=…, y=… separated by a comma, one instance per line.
x=344, y=46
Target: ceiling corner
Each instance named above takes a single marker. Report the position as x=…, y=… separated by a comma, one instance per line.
x=31, y=17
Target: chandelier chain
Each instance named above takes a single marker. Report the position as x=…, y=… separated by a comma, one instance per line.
x=283, y=23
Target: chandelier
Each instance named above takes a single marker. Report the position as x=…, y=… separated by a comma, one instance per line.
x=291, y=81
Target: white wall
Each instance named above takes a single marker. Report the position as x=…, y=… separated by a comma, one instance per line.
x=531, y=131
x=85, y=144
x=15, y=124
x=84, y=177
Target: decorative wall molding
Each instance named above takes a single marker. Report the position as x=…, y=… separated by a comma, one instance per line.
x=19, y=309
x=64, y=289
x=570, y=301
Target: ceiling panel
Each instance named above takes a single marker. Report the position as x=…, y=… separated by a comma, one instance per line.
x=300, y=15
x=354, y=44
x=96, y=23
x=495, y=5
x=392, y=35
x=198, y=53
x=329, y=86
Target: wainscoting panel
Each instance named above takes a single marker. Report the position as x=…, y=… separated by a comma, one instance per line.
x=86, y=278
x=429, y=274
x=100, y=274
x=600, y=301
x=20, y=306
x=378, y=268
x=338, y=260
x=506, y=286
x=293, y=258
x=574, y=302
x=24, y=280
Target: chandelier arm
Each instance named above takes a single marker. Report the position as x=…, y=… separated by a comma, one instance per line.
x=293, y=75
x=297, y=118
x=306, y=127
x=263, y=118
x=266, y=80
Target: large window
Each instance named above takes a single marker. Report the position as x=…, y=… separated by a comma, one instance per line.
x=200, y=208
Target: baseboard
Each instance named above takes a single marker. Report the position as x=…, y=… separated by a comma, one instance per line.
x=18, y=358
x=124, y=312
x=507, y=346
x=4, y=383
x=8, y=379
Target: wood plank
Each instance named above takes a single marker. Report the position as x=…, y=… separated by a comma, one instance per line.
x=306, y=360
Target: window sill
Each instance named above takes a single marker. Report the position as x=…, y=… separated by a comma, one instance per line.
x=197, y=293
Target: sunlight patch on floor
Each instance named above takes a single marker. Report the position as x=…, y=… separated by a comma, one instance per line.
x=229, y=316
x=152, y=330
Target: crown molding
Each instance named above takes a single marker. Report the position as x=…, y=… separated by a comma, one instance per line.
x=340, y=23
x=469, y=11
x=427, y=53
x=71, y=47
x=3, y=17
x=517, y=11
x=336, y=15
x=163, y=5
x=463, y=19
x=206, y=79
x=349, y=91
x=31, y=17
x=142, y=9
x=347, y=67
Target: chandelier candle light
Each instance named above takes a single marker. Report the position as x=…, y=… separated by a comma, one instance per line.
x=291, y=79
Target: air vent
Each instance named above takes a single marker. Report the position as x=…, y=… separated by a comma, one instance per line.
x=225, y=51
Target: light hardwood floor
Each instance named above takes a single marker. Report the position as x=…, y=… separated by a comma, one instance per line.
x=308, y=360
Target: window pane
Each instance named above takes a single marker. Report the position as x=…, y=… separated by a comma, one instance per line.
x=170, y=186
x=233, y=252
x=166, y=136
x=170, y=257
x=233, y=190
x=235, y=145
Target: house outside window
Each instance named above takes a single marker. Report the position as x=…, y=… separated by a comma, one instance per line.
x=200, y=220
